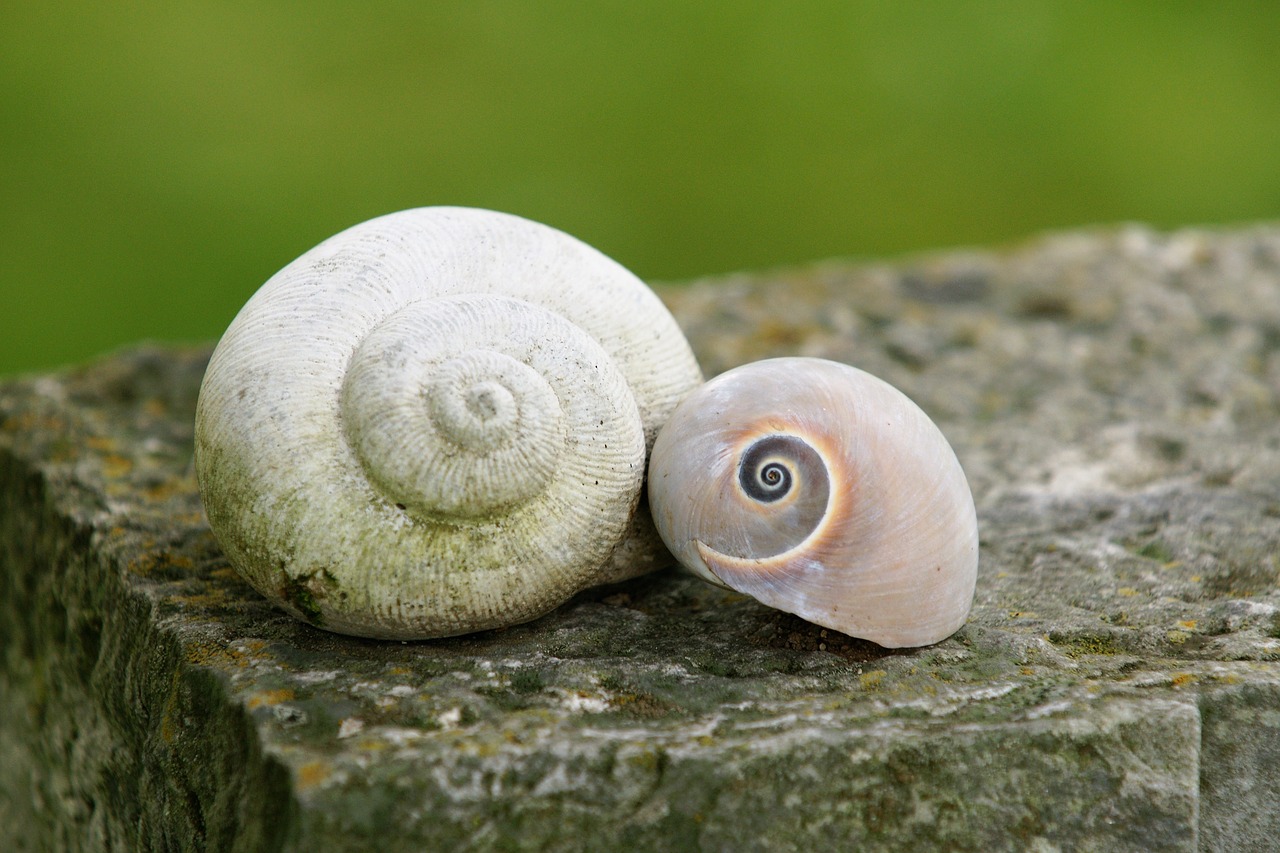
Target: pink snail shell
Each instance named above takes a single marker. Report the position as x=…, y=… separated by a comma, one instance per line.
x=822, y=491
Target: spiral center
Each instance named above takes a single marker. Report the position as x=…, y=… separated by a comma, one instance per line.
x=489, y=401
x=769, y=468
x=446, y=411
x=478, y=401
x=771, y=480
x=776, y=466
x=782, y=490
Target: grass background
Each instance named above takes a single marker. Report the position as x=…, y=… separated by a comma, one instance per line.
x=159, y=160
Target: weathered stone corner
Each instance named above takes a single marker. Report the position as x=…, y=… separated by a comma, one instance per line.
x=1115, y=399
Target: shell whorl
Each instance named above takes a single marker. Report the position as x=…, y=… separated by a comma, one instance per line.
x=461, y=436
x=435, y=422
x=822, y=491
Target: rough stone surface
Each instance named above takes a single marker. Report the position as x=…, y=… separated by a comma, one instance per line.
x=1114, y=397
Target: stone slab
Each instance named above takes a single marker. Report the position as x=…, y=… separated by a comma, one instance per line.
x=1114, y=396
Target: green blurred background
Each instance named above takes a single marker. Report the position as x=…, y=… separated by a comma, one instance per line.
x=159, y=160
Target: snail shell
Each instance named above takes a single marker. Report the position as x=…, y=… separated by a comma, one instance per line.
x=436, y=422
x=823, y=491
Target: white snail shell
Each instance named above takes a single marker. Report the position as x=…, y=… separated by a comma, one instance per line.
x=823, y=491
x=436, y=422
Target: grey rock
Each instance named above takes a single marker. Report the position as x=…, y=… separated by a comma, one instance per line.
x=1115, y=399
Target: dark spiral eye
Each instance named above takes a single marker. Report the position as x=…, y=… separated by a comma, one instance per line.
x=767, y=469
x=769, y=483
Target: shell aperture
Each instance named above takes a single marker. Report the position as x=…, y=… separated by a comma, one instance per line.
x=823, y=491
x=435, y=422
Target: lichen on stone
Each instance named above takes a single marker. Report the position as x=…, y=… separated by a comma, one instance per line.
x=1112, y=396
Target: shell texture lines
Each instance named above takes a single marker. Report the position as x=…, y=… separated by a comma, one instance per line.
x=436, y=422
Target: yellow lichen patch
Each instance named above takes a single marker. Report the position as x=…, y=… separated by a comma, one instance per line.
x=1182, y=678
x=168, y=725
x=168, y=488
x=269, y=697
x=650, y=760
x=312, y=773
x=115, y=465
x=150, y=561
x=167, y=733
x=993, y=403
x=115, y=534
x=208, y=654
x=1177, y=637
x=872, y=680
x=1081, y=646
x=485, y=749
x=772, y=332
x=32, y=422
x=179, y=561
x=1188, y=624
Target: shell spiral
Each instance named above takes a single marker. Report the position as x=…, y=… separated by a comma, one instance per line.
x=436, y=422
x=823, y=491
